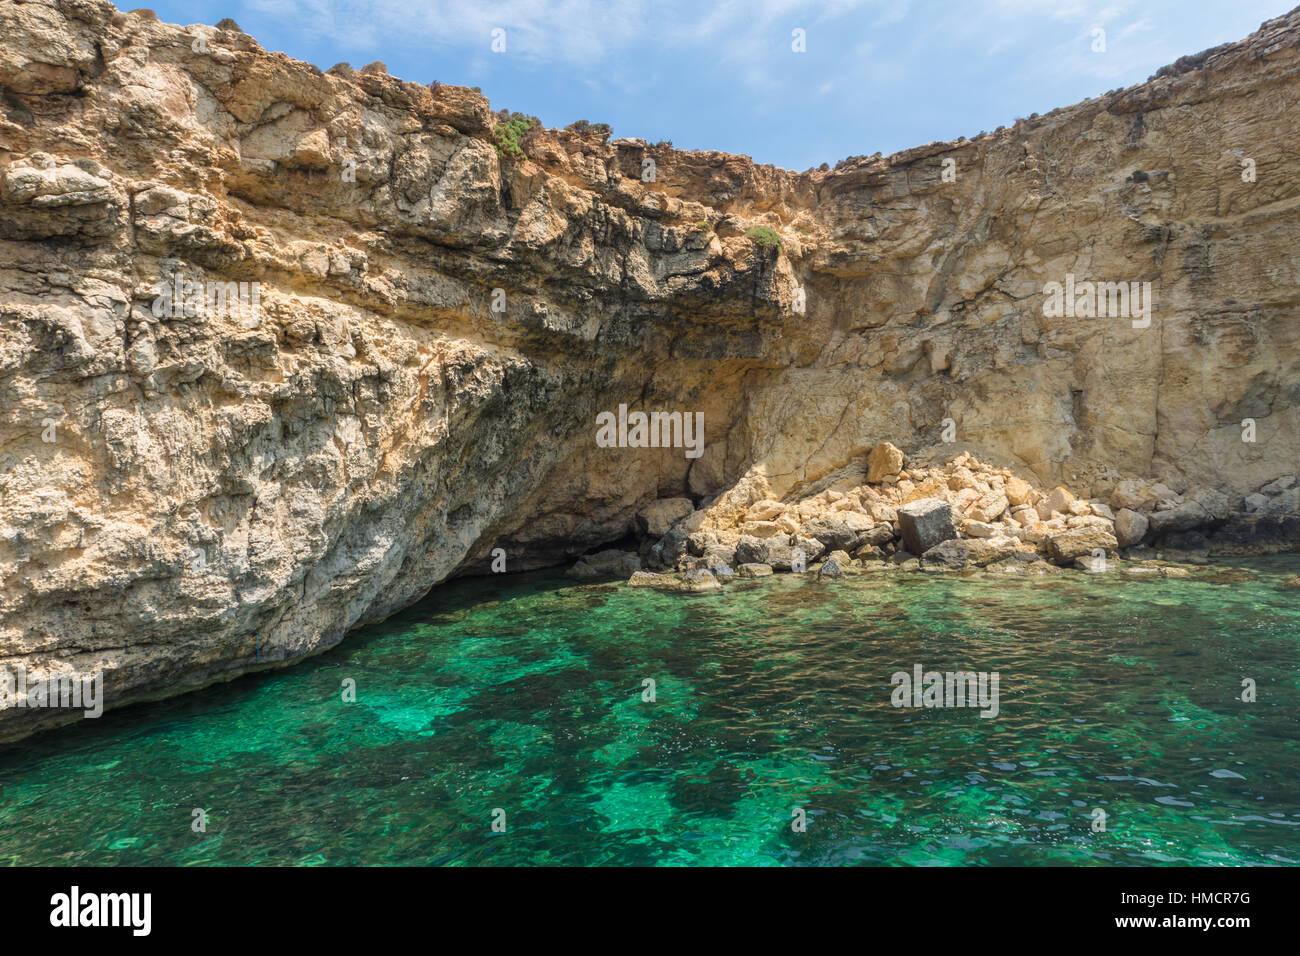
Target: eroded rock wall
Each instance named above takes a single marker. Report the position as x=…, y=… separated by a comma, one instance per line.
x=187, y=494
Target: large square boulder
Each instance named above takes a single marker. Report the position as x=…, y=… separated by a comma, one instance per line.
x=925, y=523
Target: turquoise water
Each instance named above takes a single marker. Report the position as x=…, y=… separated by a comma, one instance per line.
x=525, y=694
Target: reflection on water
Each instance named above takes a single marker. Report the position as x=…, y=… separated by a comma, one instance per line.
x=525, y=694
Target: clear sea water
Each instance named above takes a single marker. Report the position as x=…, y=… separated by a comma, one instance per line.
x=525, y=693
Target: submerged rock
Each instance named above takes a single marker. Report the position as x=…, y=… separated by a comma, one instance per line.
x=695, y=580
x=1155, y=569
x=1024, y=564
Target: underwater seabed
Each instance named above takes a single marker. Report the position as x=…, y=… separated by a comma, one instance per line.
x=522, y=701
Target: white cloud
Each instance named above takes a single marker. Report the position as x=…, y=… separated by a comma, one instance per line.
x=849, y=42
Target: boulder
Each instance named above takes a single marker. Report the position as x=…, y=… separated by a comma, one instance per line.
x=1279, y=485
x=776, y=552
x=1216, y=504
x=605, y=564
x=718, y=557
x=765, y=510
x=979, y=529
x=672, y=546
x=983, y=552
x=831, y=568
x=1090, y=521
x=1183, y=517
x=657, y=517
x=989, y=507
x=1285, y=503
x=697, y=579
x=812, y=548
x=653, y=579
x=701, y=579
x=831, y=533
x=751, y=550
x=1059, y=499
x=1130, y=527
x=1018, y=491
x=924, y=524
x=879, y=534
x=950, y=555
x=700, y=542
x=1133, y=494
x=857, y=523
x=883, y=512
x=883, y=461
x=1065, y=547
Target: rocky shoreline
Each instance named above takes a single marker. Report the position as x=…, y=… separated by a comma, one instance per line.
x=952, y=515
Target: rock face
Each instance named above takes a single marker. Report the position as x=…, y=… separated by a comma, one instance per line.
x=281, y=350
x=924, y=524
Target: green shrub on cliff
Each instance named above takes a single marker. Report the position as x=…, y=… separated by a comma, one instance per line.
x=764, y=236
x=507, y=136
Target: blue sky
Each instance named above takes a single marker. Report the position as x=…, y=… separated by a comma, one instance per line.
x=877, y=75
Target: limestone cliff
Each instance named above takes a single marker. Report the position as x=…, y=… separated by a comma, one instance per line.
x=430, y=323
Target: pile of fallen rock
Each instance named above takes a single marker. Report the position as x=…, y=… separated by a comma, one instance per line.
x=958, y=516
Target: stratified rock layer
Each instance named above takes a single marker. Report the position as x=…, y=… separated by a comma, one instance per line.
x=428, y=329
